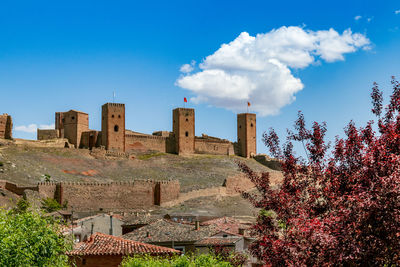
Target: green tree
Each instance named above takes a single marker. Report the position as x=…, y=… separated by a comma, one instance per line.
x=50, y=205
x=205, y=260
x=29, y=239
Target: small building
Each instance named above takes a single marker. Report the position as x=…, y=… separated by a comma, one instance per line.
x=106, y=250
x=226, y=240
x=172, y=234
x=136, y=221
x=102, y=223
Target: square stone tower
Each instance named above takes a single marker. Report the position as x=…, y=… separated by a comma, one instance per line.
x=246, y=133
x=183, y=128
x=74, y=123
x=113, y=126
x=59, y=124
x=6, y=126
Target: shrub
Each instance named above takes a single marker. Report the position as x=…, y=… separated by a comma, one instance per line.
x=50, y=205
x=28, y=239
x=174, y=261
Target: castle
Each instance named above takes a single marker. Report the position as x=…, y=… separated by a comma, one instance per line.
x=74, y=126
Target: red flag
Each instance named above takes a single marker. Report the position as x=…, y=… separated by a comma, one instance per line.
x=185, y=100
x=248, y=104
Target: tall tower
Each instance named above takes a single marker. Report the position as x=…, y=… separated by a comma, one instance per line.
x=74, y=123
x=183, y=128
x=246, y=133
x=113, y=126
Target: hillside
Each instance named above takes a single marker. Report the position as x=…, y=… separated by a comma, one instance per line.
x=27, y=165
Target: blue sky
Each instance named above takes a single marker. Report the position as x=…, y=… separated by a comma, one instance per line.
x=56, y=56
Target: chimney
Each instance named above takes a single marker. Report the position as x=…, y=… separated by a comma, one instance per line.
x=196, y=225
x=147, y=234
x=241, y=231
x=91, y=229
x=111, y=223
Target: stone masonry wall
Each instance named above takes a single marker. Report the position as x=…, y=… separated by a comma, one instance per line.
x=145, y=143
x=204, y=146
x=111, y=196
x=47, y=134
x=238, y=183
x=169, y=190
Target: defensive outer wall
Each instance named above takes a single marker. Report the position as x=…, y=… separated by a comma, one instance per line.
x=113, y=196
x=125, y=196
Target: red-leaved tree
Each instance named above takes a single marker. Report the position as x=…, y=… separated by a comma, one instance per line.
x=334, y=208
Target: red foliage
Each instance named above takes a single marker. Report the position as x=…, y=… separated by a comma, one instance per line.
x=339, y=209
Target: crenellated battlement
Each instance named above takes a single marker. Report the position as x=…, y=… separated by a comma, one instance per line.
x=115, y=104
x=151, y=137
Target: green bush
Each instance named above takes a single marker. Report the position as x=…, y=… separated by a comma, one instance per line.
x=50, y=205
x=205, y=260
x=29, y=239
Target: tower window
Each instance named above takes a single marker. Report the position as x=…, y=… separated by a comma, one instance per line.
x=119, y=116
x=240, y=126
x=116, y=128
x=72, y=118
x=186, y=133
x=112, y=116
x=251, y=125
x=187, y=119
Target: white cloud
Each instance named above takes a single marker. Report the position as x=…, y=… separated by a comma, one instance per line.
x=32, y=128
x=397, y=12
x=357, y=17
x=186, y=68
x=258, y=68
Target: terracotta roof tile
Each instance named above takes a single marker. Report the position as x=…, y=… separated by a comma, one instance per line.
x=102, y=244
x=167, y=231
x=212, y=241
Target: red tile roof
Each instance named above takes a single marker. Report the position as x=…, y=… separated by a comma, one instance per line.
x=102, y=244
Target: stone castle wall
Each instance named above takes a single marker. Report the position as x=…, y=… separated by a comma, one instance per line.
x=111, y=196
x=47, y=134
x=205, y=146
x=149, y=143
x=16, y=189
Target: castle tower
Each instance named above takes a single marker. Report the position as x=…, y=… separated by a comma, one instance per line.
x=59, y=124
x=113, y=126
x=246, y=133
x=6, y=126
x=74, y=123
x=183, y=128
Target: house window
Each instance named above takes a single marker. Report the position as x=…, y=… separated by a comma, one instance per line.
x=180, y=248
x=83, y=261
x=186, y=133
x=116, y=128
x=187, y=119
x=73, y=118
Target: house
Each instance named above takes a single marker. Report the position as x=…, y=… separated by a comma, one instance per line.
x=103, y=223
x=107, y=250
x=171, y=234
x=137, y=220
x=222, y=239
